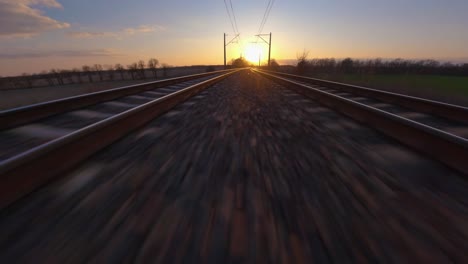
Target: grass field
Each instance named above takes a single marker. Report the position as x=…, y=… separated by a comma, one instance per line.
x=444, y=88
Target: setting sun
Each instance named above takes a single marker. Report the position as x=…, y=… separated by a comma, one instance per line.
x=253, y=53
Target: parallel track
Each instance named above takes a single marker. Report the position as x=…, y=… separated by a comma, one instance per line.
x=245, y=171
x=27, y=114
x=436, y=129
x=29, y=168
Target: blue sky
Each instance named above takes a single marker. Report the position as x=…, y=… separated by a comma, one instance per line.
x=39, y=35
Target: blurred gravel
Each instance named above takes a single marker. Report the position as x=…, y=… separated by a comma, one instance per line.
x=246, y=172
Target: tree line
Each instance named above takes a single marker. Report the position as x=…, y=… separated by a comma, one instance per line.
x=242, y=62
x=89, y=73
x=379, y=66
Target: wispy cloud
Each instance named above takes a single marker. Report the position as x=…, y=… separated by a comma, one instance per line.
x=142, y=29
x=48, y=3
x=29, y=54
x=20, y=18
x=89, y=35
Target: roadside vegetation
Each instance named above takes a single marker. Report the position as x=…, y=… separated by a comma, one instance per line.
x=425, y=78
x=132, y=73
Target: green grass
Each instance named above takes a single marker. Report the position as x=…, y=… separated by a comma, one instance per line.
x=432, y=85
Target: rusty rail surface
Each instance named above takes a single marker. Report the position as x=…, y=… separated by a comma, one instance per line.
x=445, y=147
x=26, y=172
x=26, y=114
x=449, y=111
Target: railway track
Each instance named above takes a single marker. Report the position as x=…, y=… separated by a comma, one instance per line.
x=436, y=129
x=46, y=139
x=247, y=170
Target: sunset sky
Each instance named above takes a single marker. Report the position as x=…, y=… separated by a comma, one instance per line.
x=39, y=35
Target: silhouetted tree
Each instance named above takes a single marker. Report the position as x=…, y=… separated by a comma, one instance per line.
x=347, y=65
x=240, y=63
x=87, y=72
x=133, y=69
x=67, y=75
x=153, y=65
x=274, y=65
x=98, y=68
x=76, y=71
x=110, y=71
x=302, y=63
x=58, y=76
x=141, y=67
x=165, y=69
x=120, y=68
x=48, y=77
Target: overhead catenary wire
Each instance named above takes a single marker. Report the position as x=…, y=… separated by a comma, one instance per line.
x=263, y=18
x=266, y=15
x=230, y=18
x=234, y=17
x=233, y=21
x=239, y=41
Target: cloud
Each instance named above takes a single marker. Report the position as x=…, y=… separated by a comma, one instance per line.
x=142, y=29
x=19, y=18
x=29, y=54
x=47, y=3
x=89, y=35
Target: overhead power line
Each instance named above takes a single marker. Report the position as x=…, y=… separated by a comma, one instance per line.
x=233, y=21
x=230, y=18
x=266, y=15
x=234, y=16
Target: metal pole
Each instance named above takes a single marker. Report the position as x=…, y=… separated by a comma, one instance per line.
x=269, y=51
x=224, y=50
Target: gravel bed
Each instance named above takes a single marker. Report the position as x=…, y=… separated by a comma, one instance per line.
x=245, y=172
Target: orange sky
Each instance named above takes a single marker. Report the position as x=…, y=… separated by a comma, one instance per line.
x=43, y=34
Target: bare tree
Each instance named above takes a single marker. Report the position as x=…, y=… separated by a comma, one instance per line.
x=274, y=65
x=58, y=76
x=240, y=63
x=302, y=61
x=87, y=71
x=165, y=69
x=347, y=65
x=98, y=68
x=67, y=75
x=48, y=77
x=141, y=67
x=133, y=68
x=153, y=65
x=120, y=68
x=76, y=71
x=111, y=71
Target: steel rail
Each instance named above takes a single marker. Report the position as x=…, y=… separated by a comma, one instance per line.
x=26, y=114
x=446, y=110
x=26, y=172
x=445, y=147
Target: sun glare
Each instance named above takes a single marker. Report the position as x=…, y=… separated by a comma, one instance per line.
x=253, y=53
